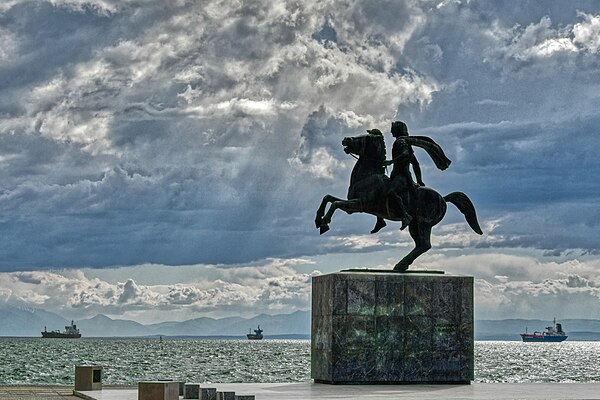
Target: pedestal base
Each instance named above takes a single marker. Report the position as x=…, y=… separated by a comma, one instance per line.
x=383, y=327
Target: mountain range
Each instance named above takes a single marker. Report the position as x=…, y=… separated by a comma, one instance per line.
x=27, y=321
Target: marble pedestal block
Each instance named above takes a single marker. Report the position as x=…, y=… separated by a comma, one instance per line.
x=385, y=327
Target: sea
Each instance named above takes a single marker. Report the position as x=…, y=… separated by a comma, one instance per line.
x=128, y=361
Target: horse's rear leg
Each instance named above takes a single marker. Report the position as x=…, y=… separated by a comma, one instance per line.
x=421, y=234
x=321, y=210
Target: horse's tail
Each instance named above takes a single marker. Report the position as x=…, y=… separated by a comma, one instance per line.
x=465, y=206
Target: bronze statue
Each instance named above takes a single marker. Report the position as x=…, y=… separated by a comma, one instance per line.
x=397, y=198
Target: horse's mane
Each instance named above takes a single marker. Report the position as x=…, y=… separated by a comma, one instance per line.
x=380, y=146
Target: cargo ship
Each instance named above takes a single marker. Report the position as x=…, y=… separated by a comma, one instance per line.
x=71, y=332
x=552, y=333
x=257, y=335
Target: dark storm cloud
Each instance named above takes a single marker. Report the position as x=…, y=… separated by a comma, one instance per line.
x=195, y=132
x=172, y=133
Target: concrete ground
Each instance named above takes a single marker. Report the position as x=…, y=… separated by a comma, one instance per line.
x=304, y=391
x=47, y=392
x=37, y=392
x=293, y=391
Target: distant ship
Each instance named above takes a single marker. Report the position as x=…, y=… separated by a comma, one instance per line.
x=71, y=332
x=257, y=335
x=552, y=333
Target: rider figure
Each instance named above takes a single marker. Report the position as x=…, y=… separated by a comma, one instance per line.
x=401, y=180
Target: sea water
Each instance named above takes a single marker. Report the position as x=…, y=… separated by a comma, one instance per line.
x=128, y=361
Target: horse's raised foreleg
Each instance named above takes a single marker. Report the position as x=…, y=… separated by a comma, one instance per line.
x=421, y=234
x=349, y=206
x=321, y=210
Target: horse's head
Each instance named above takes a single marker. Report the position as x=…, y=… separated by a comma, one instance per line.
x=370, y=146
x=354, y=145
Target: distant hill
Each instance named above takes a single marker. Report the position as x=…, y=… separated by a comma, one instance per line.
x=101, y=325
x=22, y=321
x=280, y=324
x=27, y=321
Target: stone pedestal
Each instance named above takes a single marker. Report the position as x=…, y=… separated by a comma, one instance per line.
x=385, y=327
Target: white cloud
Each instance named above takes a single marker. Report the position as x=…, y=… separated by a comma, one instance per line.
x=540, y=42
x=273, y=286
x=587, y=33
x=519, y=286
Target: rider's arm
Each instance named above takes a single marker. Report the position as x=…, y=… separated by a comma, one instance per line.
x=417, y=171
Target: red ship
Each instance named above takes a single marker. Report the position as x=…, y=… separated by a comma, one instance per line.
x=552, y=333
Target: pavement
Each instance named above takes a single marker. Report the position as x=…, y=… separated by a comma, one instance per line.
x=37, y=392
x=297, y=391
x=305, y=391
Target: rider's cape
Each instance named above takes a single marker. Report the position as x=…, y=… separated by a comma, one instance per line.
x=432, y=148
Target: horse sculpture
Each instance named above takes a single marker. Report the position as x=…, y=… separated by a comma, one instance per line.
x=368, y=193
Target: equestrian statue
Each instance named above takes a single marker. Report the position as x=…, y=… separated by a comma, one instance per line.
x=397, y=197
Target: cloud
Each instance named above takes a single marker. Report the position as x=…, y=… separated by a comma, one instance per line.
x=272, y=286
x=192, y=133
x=510, y=286
x=587, y=33
x=130, y=120
x=526, y=47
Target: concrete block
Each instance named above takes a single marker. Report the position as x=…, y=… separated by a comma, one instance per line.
x=208, y=394
x=191, y=391
x=88, y=377
x=181, y=384
x=158, y=390
x=386, y=327
x=225, y=395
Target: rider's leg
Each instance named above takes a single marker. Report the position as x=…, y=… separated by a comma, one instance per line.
x=406, y=218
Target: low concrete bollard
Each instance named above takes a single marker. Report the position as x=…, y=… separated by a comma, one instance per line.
x=88, y=377
x=181, y=384
x=191, y=391
x=225, y=395
x=244, y=397
x=158, y=390
x=208, y=394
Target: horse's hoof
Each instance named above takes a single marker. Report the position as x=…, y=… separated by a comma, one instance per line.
x=378, y=226
x=318, y=222
x=323, y=229
x=405, y=222
x=401, y=267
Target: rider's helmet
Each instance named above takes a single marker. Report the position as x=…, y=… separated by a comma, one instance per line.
x=399, y=128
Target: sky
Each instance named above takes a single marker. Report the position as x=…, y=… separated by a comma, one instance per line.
x=164, y=160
